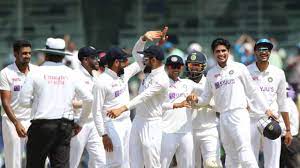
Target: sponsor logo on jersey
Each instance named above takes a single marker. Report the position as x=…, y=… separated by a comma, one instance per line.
x=16, y=79
x=217, y=75
x=255, y=77
x=119, y=92
x=175, y=95
x=17, y=88
x=266, y=88
x=224, y=82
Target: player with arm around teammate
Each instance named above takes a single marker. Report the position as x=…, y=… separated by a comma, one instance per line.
x=146, y=133
x=177, y=135
x=113, y=93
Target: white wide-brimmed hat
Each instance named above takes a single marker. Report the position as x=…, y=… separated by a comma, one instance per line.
x=55, y=46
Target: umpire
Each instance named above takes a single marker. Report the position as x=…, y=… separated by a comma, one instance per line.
x=50, y=91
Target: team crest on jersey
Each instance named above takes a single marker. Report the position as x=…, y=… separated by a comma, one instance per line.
x=270, y=79
x=231, y=72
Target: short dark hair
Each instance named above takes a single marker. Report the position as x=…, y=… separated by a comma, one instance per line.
x=220, y=41
x=110, y=62
x=18, y=44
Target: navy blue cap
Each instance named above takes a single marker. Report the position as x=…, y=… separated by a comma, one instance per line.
x=87, y=52
x=174, y=59
x=154, y=51
x=116, y=53
x=264, y=42
x=196, y=57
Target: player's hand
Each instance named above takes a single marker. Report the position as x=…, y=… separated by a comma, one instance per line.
x=181, y=105
x=192, y=98
x=114, y=113
x=77, y=104
x=269, y=113
x=152, y=35
x=20, y=129
x=288, y=138
x=76, y=128
x=164, y=36
x=108, y=146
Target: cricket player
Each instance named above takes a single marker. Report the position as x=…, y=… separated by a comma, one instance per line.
x=205, y=121
x=177, y=135
x=16, y=119
x=146, y=132
x=88, y=138
x=271, y=82
x=50, y=92
x=230, y=83
x=111, y=91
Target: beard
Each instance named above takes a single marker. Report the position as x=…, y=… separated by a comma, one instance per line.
x=121, y=72
x=147, y=69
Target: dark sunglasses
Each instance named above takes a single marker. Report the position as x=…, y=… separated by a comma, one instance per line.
x=263, y=49
x=175, y=66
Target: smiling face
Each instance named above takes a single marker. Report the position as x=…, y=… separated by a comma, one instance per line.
x=23, y=56
x=174, y=70
x=262, y=53
x=221, y=54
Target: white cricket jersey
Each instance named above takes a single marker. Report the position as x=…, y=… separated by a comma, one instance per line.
x=294, y=118
x=272, y=84
x=50, y=92
x=231, y=86
x=203, y=117
x=12, y=79
x=153, y=93
x=88, y=81
x=177, y=120
x=111, y=91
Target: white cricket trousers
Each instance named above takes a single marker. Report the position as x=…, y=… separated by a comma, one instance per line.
x=119, y=133
x=87, y=138
x=207, y=145
x=14, y=146
x=145, y=143
x=235, y=136
x=271, y=148
x=180, y=144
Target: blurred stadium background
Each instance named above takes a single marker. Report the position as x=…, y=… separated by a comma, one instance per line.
x=105, y=23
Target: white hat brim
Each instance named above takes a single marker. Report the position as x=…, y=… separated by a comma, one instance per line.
x=50, y=51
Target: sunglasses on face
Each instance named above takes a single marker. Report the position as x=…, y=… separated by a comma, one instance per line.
x=175, y=66
x=263, y=49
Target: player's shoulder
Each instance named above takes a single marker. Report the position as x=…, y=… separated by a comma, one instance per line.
x=251, y=66
x=211, y=71
x=238, y=65
x=275, y=69
x=9, y=68
x=102, y=80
